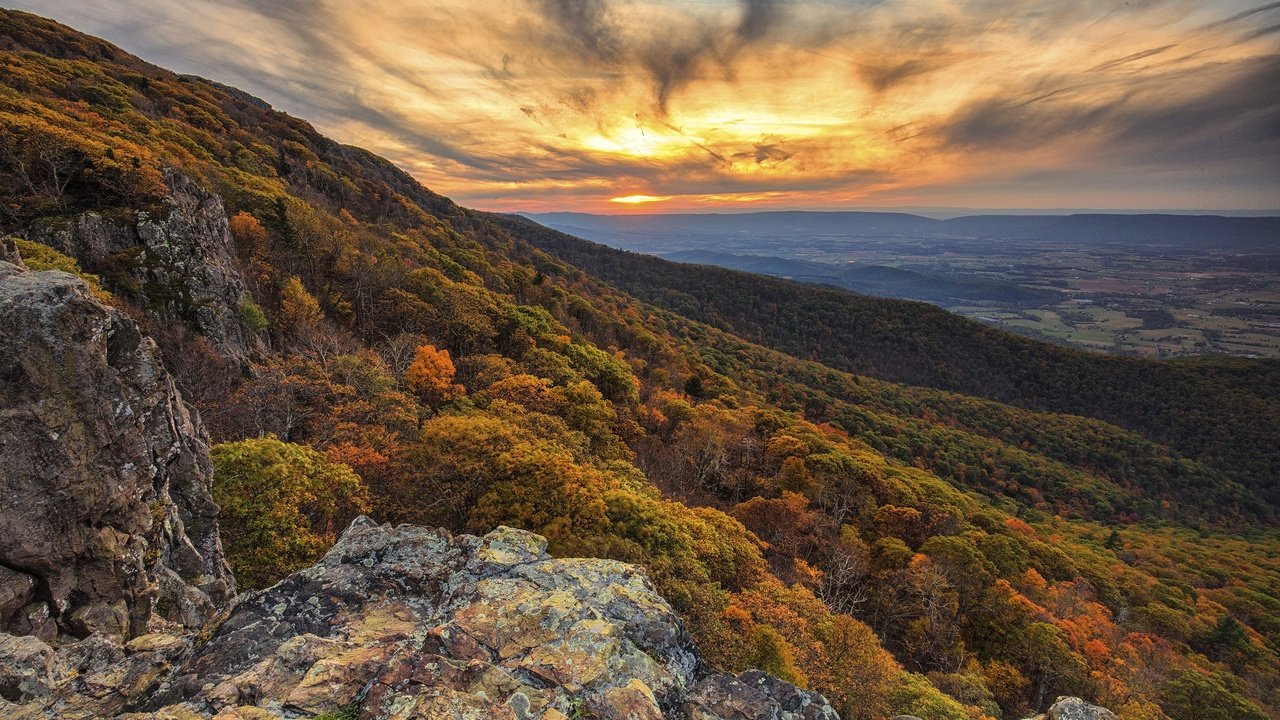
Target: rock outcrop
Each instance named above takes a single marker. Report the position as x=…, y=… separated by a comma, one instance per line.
x=1073, y=708
x=109, y=526
x=409, y=622
x=180, y=266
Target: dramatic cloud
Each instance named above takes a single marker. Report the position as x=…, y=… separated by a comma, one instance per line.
x=569, y=104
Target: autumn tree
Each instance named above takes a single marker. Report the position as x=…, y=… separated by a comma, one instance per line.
x=281, y=506
x=786, y=523
x=250, y=236
x=848, y=571
x=862, y=672
x=430, y=376
x=300, y=313
x=771, y=653
x=1192, y=695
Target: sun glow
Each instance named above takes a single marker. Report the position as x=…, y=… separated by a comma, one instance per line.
x=535, y=105
x=639, y=199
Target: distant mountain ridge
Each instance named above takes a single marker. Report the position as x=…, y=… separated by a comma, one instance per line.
x=1106, y=229
x=880, y=280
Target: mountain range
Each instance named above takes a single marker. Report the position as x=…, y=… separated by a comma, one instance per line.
x=1116, y=229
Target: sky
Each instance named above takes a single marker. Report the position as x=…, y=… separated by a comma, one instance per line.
x=699, y=105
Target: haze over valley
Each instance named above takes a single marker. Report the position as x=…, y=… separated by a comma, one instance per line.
x=1149, y=285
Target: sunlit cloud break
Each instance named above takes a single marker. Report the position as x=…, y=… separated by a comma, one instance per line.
x=639, y=199
x=615, y=104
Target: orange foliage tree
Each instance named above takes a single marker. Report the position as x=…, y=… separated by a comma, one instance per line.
x=430, y=376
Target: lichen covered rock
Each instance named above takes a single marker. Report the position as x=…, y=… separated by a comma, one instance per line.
x=178, y=263
x=109, y=523
x=26, y=668
x=409, y=622
x=1073, y=708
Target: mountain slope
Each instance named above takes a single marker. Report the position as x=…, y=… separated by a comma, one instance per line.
x=1221, y=411
x=120, y=601
x=431, y=364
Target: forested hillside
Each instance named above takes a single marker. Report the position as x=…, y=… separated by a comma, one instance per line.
x=357, y=343
x=1222, y=411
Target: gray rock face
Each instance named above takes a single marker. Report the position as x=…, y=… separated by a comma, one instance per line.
x=182, y=263
x=409, y=622
x=26, y=668
x=108, y=521
x=1073, y=708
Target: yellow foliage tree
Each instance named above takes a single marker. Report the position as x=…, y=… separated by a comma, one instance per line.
x=299, y=310
x=281, y=505
x=251, y=238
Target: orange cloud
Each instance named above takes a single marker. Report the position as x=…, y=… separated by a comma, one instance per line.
x=585, y=104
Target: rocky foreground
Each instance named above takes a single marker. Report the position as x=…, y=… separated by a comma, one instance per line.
x=410, y=622
x=116, y=601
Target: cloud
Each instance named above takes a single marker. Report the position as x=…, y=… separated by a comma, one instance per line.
x=1168, y=118
x=520, y=104
x=672, y=53
x=882, y=76
x=586, y=25
x=1133, y=57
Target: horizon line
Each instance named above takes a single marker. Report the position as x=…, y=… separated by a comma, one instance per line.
x=926, y=211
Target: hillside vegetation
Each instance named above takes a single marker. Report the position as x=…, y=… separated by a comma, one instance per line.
x=899, y=547
x=1222, y=411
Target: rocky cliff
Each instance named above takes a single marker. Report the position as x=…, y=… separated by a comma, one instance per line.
x=179, y=264
x=109, y=526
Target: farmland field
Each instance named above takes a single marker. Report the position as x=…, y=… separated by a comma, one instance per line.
x=1147, y=295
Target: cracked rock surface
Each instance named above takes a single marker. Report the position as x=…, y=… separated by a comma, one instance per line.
x=410, y=622
x=108, y=522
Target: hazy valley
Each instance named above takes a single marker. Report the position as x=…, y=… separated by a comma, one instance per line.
x=1210, y=286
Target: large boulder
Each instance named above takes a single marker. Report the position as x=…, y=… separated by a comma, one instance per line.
x=409, y=622
x=1073, y=708
x=108, y=521
x=179, y=263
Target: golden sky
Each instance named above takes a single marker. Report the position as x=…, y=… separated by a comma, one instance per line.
x=668, y=105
